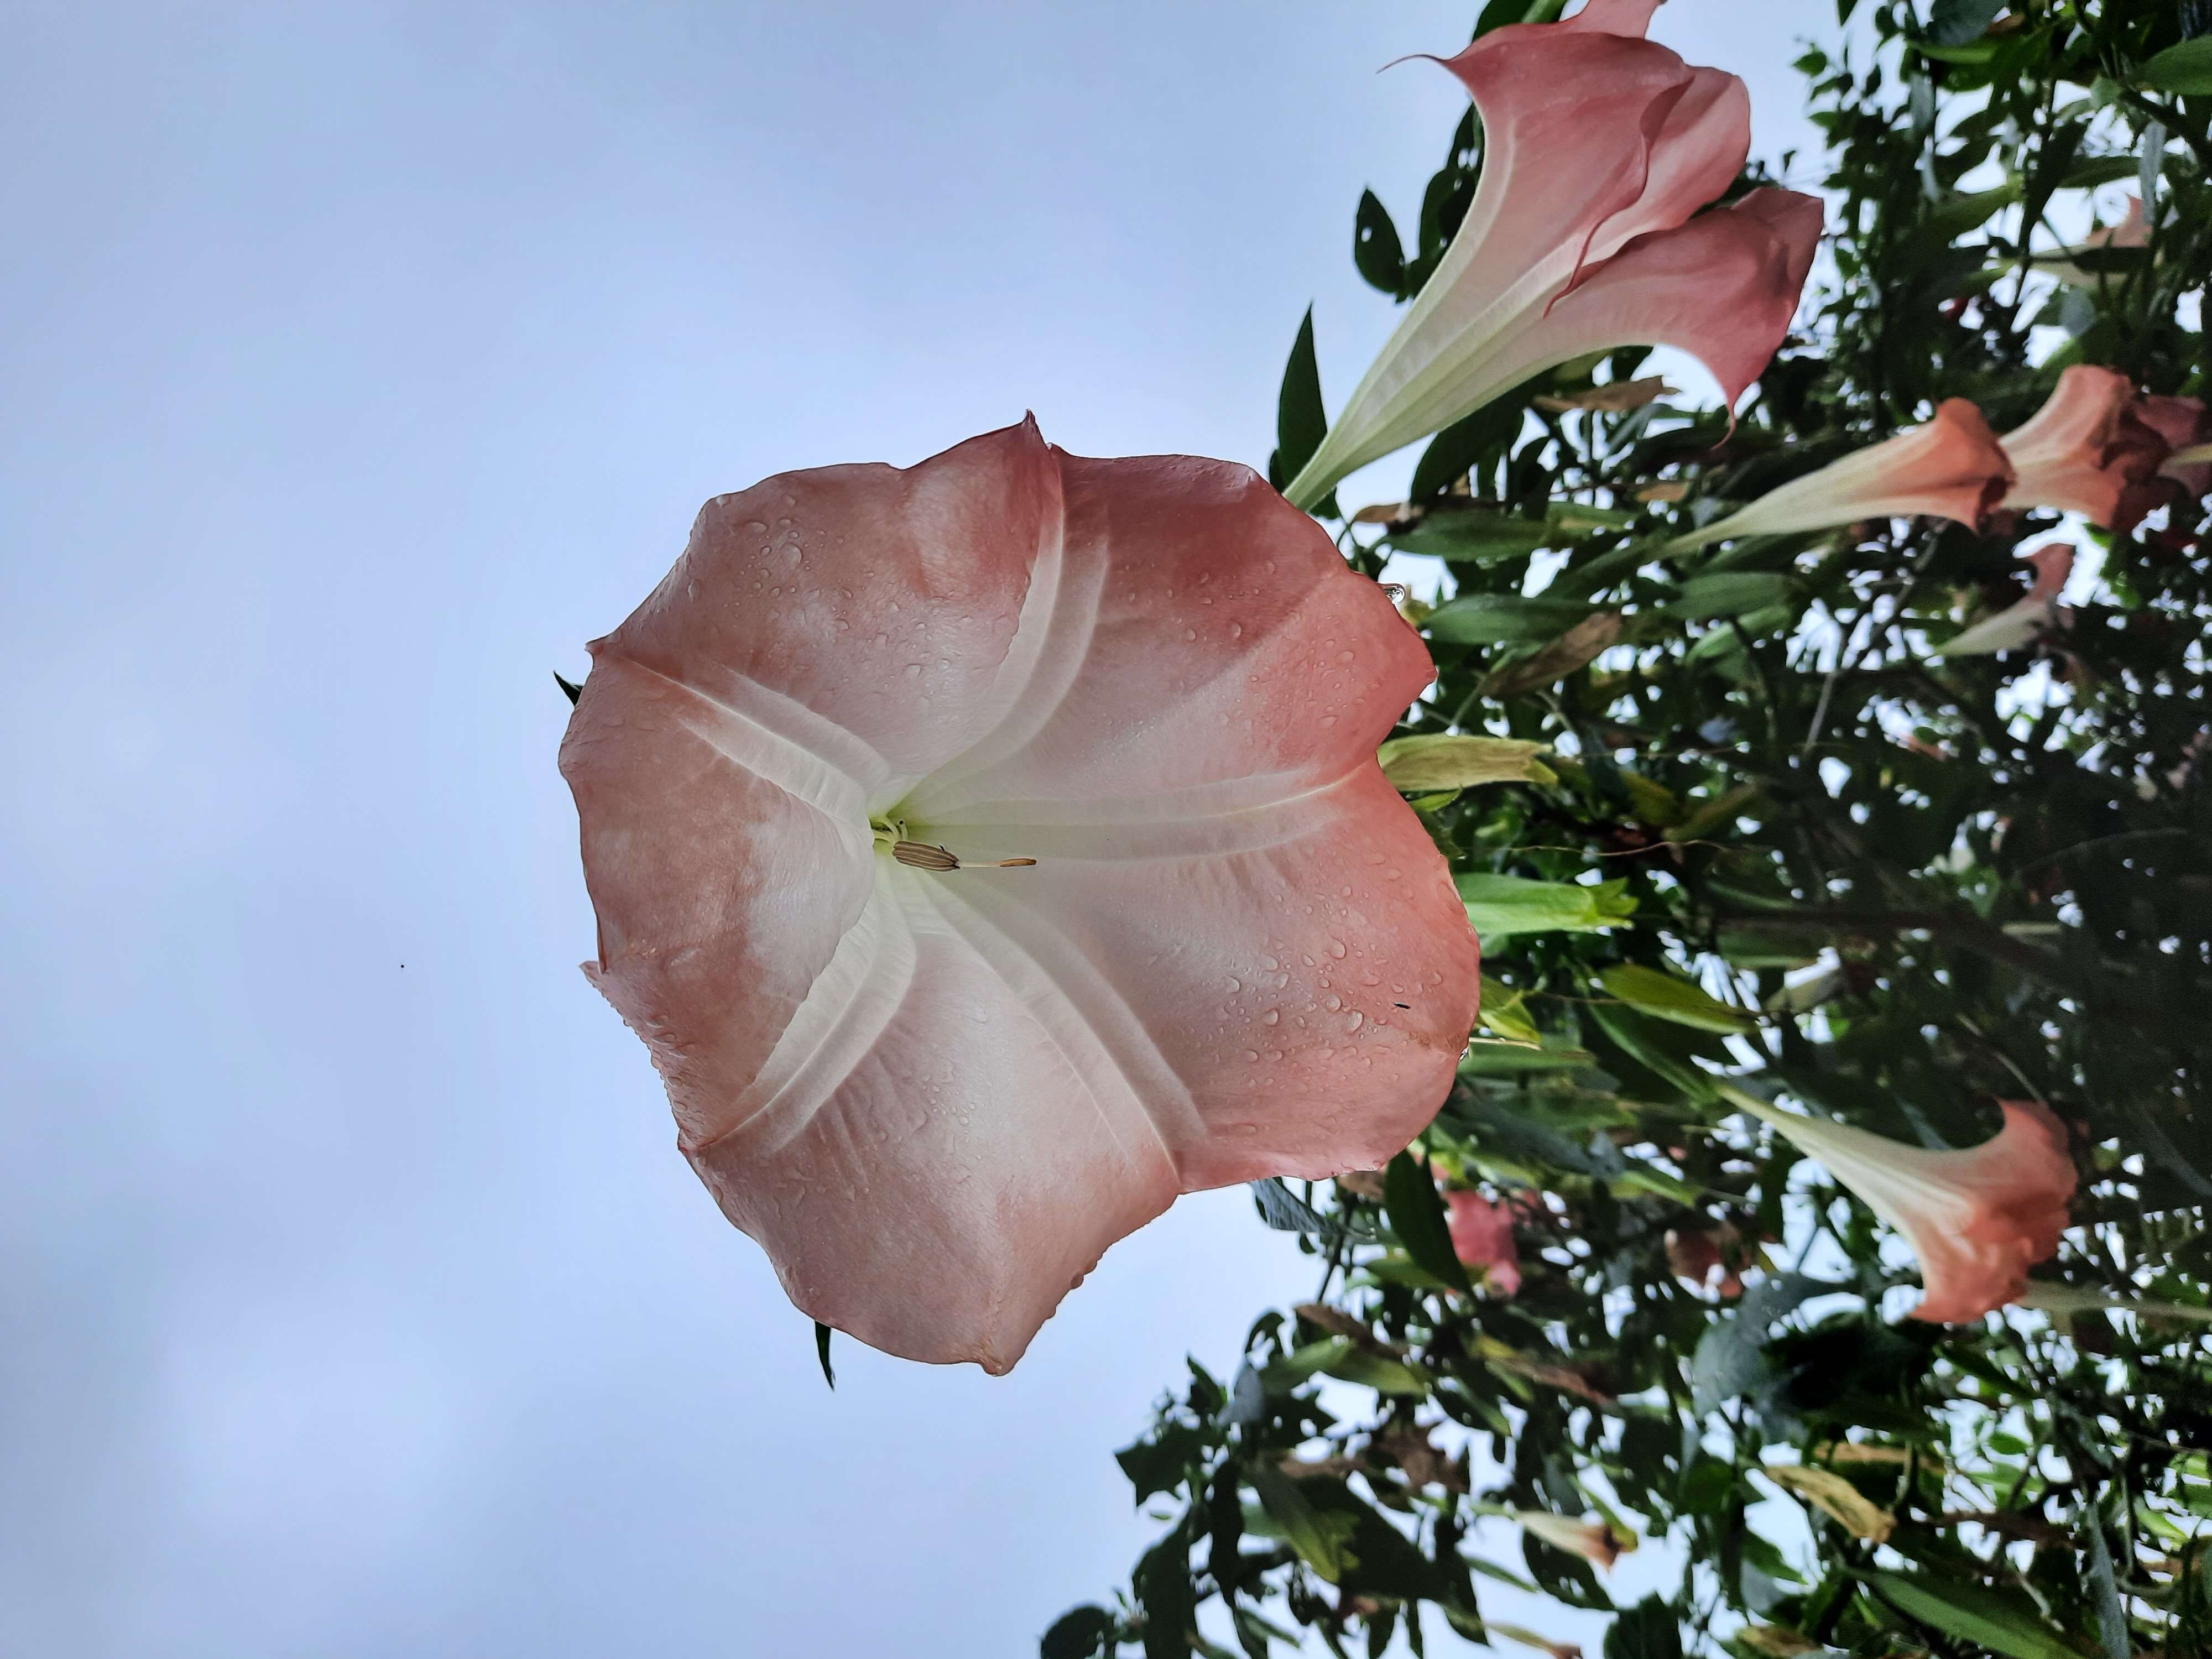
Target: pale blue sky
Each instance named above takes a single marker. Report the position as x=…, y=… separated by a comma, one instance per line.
x=363, y=361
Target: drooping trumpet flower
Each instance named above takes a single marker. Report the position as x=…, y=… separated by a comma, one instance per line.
x=1977, y=1219
x=1953, y=467
x=1600, y=148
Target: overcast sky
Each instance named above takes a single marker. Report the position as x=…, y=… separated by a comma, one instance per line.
x=362, y=362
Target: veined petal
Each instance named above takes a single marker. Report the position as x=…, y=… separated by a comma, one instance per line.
x=936, y=1095
x=1723, y=287
x=1951, y=468
x=1977, y=1219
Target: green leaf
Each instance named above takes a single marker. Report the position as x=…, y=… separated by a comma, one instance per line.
x=1503, y=906
x=1955, y=216
x=1285, y=1372
x=2185, y=69
x=1416, y=1213
x=1379, y=1372
x=1486, y=1058
x=1954, y=23
x=1169, y=1600
x=1502, y=619
x=1503, y=1012
x=1376, y=249
x=1322, y=1539
x=573, y=689
x=822, y=1353
x=1416, y=766
x=1080, y=1633
x=1301, y=421
x=1457, y=449
x=1731, y=594
x=2001, y=1622
x=1285, y=1211
x=1472, y=536
x=1647, y=1631
x=1668, y=997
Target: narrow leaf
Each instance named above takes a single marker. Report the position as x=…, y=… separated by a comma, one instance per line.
x=1664, y=996
x=822, y=1353
x=1301, y=421
x=1417, y=1216
x=2185, y=69
x=573, y=689
x=2003, y=1623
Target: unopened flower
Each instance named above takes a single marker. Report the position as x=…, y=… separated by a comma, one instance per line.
x=2089, y=451
x=1977, y=1219
x=936, y=1088
x=1482, y=1238
x=2027, y=619
x=1951, y=468
x=1700, y=1256
x=1598, y=1541
x=1599, y=147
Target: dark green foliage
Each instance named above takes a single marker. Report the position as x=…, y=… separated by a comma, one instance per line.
x=1840, y=872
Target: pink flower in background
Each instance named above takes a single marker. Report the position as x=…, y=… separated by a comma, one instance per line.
x=2088, y=450
x=1598, y=149
x=2027, y=619
x=936, y=1092
x=1596, y=1541
x=1699, y=1256
x=2182, y=426
x=1482, y=1238
x=1952, y=468
x=2132, y=230
x=1977, y=1219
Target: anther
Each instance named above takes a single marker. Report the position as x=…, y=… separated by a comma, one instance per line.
x=918, y=856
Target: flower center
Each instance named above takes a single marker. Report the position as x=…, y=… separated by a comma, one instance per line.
x=892, y=832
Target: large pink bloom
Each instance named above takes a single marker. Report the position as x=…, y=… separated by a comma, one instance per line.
x=1952, y=468
x=2089, y=450
x=1598, y=146
x=936, y=1095
x=1977, y=1219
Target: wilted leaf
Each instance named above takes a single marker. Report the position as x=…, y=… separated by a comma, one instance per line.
x=1834, y=1496
x=1581, y=644
x=1774, y=1640
x=1417, y=765
x=1612, y=399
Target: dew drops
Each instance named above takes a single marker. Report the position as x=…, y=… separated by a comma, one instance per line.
x=1237, y=630
x=1354, y=1020
x=1333, y=1003
x=1272, y=1017
x=1336, y=948
x=1235, y=985
x=1269, y=963
x=1251, y=1053
x=1328, y=720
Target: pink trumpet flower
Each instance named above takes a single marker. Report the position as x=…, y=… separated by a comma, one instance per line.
x=1596, y=1541
x=2182, y=426
x=1482, y=1238
x=1977, y=1219
x=2133, y=230
x=2026, y=620
x=2089, y=450
x=1599, y=147
x=988, y=852
x=1951, y=468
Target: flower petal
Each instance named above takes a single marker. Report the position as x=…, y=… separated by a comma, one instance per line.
x=1723, y=287
x=2073, y=453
